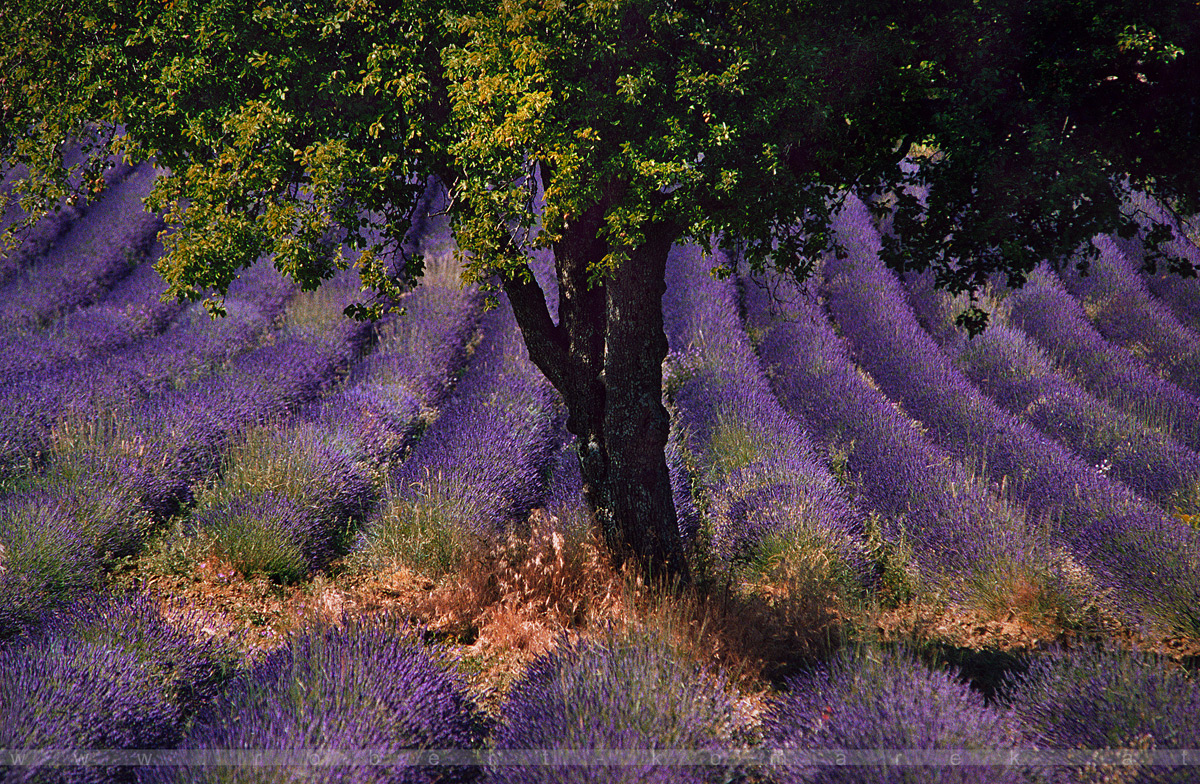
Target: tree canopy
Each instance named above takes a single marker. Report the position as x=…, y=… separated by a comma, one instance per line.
x=605, y=131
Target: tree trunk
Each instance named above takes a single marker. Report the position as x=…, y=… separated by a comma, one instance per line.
x=605, y=356
x=637, y=487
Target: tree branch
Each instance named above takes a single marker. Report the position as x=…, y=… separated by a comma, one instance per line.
x=545, y=341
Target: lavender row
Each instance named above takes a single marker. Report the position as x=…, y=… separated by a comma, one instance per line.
x=1122, y=308
x=115, y=473
x=193, y=347
x=108, y=673
x=130, y=312
x=1180, y=294
x=482, y=463
x=632, y=693
x=890, y=700
x=399, y=388
x=35, y=240
x=112, y=675
x=1010, y=368
x=959, y=530
x=287, y=503
x=1064, y=701
x=93, y=255
x=1091, y=698
x=503, y=414
x=760, y=471
x=1046, y=312
x=1147, y=557
x=370, y=686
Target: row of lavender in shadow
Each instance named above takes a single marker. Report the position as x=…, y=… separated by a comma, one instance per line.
x=1010, y=368
x=128, y=313
x=1180, y=294
x=963, y=538
x=757, y=474
x=110, y=674
x=91, y=256
x=35, y=240
x=1148, y=558
x=1082, y=701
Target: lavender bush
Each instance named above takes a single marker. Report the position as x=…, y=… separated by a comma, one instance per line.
x=1121, y=307
x=1011, y=369
x=195, y=347
x=1151, y=559
x=396, y=391
x=629, y=693
x=369, y=686
x=483, y=461
x=880, y=700
x=1092, y=698
x=1046, y=312
x=762, y=475
x=286, y=501
x=45, y=561
x=108, y=674
x=36, y=240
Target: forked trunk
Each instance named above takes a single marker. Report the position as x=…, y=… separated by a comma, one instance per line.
x=605, y=356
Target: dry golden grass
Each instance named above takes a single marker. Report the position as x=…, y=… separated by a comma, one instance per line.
x=508, y=605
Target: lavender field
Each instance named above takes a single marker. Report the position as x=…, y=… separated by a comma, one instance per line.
x=288, y=530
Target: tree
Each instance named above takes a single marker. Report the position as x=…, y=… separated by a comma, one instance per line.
x=607, y=131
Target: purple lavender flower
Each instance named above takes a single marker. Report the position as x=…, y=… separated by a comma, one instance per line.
x=631, y=694
x=88, y=259
x=1057, y=321
x=1090, y=698
x=368, y=686
x=483, y=461
x=196, y=346
x=1122, y=308
x=1150, y=559
x=880, y=700
x=286, y=502
x=394, y=392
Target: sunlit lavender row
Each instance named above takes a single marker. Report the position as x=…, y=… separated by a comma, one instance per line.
x=110, y=674
x=763, y=479
x=1133, y=547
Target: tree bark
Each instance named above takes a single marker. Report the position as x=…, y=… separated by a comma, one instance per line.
x=636, y=423
x=605, y=356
